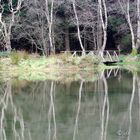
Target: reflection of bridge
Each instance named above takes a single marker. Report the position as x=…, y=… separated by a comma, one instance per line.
x=112, y=72
x=108, y=55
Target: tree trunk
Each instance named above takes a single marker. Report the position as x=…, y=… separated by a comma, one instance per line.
x=67, y=41
x=7, y=29
x=8, y=44
x=130, y=26
x=102, y=9
x=138, y=35
x=138, y=25
x=94, y=44
x=105, y=26
x=127, y=16
x=99, y=32
x=49, y=16
x=78, y=29
x=85, y=41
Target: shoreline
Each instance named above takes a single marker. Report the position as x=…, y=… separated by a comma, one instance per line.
x=58, y=67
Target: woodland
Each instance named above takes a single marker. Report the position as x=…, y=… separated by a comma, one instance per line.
x=51, y=26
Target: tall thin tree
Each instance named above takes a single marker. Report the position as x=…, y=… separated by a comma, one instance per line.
x=6, y=28
x=104, y=22
x=78, y=28
x=49, y=16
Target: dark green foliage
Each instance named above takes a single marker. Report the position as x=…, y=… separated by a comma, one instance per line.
x=60, y=11
x=23, y=13
x=63, y=24
x=126, y=40
x=115, y=22
x=125, y=43
x=14, y=2
x=6, y=8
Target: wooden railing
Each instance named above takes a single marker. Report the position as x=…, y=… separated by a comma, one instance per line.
x=108, y=55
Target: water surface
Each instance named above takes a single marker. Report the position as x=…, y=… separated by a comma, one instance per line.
x=104, y=109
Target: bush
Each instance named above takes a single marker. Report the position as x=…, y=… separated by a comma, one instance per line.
x=18, y=56
x=134, y=52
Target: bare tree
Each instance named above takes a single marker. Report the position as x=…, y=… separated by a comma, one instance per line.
x=33, y=27
x=103, y=16
x=134, y=29
x=138, y=25
x=49, y=16
x=77, y=23
x=7, y=23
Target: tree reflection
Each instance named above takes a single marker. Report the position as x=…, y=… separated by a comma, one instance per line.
x=17, y=121
x=130, y=106
x=105, y=109
x=138, y=83
x=46, y=100
x=78, y=110
x=51, y=113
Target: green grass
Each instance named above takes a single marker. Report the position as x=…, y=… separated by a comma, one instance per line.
x=25, y=66
x=16, y=57
x=59, y=67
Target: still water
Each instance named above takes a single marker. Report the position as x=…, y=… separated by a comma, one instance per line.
x=105, y=109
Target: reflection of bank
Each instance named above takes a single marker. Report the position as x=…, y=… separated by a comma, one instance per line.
x=16, y=124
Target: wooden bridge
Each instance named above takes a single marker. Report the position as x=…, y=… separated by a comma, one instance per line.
x=109, y=56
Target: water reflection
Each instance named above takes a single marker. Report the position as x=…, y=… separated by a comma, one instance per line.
x=106, y=109
x=138, y=83
x=78, y=110
x=104, y=119
x=130, y=106
x=51, y=113
x=6, y=101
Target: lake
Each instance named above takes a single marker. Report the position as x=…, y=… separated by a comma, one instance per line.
x=107, y=108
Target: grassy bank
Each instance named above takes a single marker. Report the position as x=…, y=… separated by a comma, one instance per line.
x=34, y=67
x=57, y=67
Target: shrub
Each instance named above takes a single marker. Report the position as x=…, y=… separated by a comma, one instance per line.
x=18, y=56
x=134, y=52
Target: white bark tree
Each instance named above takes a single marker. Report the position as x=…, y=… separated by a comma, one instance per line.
x=6, y=27
x=125, y=7
x=49, y=16
x=104, y=22
x=134, y=36
x=78, y=28
x=138, y=25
